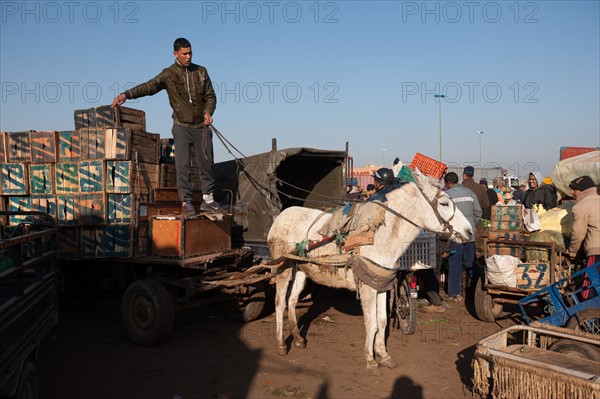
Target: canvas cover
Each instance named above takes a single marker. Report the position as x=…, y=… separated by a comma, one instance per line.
x=571, y=168
x=261, y=186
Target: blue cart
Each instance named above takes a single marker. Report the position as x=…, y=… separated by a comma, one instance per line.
x=573, y=302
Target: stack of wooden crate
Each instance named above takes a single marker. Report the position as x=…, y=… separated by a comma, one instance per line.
x=92, y=180
x=507, y=224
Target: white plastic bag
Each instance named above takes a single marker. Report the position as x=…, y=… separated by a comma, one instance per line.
x=531, y=220
x=502, y=270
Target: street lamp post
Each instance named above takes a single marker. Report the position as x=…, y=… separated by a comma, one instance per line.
x=479, y=133
x=383, y=150
x=440, y=96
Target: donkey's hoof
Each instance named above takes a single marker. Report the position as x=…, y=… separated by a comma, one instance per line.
x=388, y=362
x=282, y=350
x=300, y=344
x=373, y=367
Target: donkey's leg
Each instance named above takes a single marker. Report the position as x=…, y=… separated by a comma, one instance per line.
x=297, y=287
x=281, y=283
x=368, y=304
x=382, y=319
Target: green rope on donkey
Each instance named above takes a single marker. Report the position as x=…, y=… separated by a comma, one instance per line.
x=302, y=248
x=340, y=238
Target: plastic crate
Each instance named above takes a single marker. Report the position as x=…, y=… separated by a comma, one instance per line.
x=570, y=152
x=428, y=166
x=421, y=250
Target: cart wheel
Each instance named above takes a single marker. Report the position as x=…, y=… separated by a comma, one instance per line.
x=28, y=387
x=147, y=312
x=575, y=348
x=587, y=320
x=485, y=307
x=407, y=312
x=247, y=305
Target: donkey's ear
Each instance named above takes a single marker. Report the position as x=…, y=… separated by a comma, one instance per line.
x=423, y=180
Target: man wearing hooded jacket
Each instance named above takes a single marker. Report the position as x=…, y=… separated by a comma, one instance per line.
x=538, y=193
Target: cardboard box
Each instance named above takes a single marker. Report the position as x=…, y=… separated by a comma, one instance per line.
x=189, y=236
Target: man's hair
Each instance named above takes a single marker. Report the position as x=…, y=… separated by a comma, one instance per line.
x=181, y=43
x=451, y=178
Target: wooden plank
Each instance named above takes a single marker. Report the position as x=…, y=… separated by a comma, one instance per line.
x=69, y=145
x=68, y=210
x=18, y=147
x=92, y=209
x=18, y=204
x=92, y=143
x=66, y=177
x=15, y=179
x=93, y=242
x=44, y=146
x=121, y=208
x=91, y=176
x=41, y=178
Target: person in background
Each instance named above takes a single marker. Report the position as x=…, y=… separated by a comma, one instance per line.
x=519, y=193
x=462, y=253
x=370, y=190
x=352, y=192
x=492, y=198
x=479, y=191
x=508, y=199
x=586, y=219
x=384, y=183
x=193, y=100
x=538, y=193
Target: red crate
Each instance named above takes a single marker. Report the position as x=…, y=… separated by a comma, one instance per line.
x=428, y=166
x=570, y=152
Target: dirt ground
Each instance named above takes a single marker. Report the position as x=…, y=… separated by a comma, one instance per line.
x=209, y=356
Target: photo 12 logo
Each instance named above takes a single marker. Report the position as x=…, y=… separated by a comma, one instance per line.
x=54, y=92
x=271, y=92
x=253, y=12
x=453, y=92
x=469, y=11
x=53, y=12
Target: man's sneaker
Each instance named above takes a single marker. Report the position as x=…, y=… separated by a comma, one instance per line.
x=433, y=309
x=456, y=298
x=188, y=209
x=212, y=207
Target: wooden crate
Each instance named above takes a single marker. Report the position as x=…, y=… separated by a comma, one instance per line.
x=69, y=146
x=92, y=209
x=128, y=177
x=503, y=248
x=41, y=178
x=119, y=241
x=507, y=218
x=66, y=177
x=91, y=176
x=127, y=144
x=533, y=276
x=170, y=194
x=188, y=236
x=121, y=208
x=167, y=151
x=44, y=146
x=69, y=242
x=18, y=204
x=15, y=179
x=92, y=143
x=106, y=116
x=18, y=147
x=2, y=147
x=3, y=220
x=44, y=203
x=168, y=175
x=93, y=242
x=67, y=209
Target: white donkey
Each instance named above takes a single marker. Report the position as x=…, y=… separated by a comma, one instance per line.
x=407, y=210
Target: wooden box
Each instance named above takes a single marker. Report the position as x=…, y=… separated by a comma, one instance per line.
x=18, y=204
x=170, y=194
x=18, y=147
x=41, y=178
x=44, y=146
x=119, y=241
x=128, y=177
x=121, y=208
x=15, y=179
x=146, y=210
x=127, y=144
x=92, y=143
x=91, y=176
x=92, y=209
x=533, y=276
x=44, y=203
x=2, y=149
x=68, y=210
x=69, y=146
x=66, y=177
x=93, y=242
x=106, y=116
x=69, y=242
x=503, y=248
x=507, y=218
x=167, y=175
x=189, y=236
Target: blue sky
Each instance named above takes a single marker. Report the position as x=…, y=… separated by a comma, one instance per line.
x=320, y=74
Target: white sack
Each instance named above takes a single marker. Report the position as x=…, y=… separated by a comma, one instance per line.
x=567, y=170
x=502, y=270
